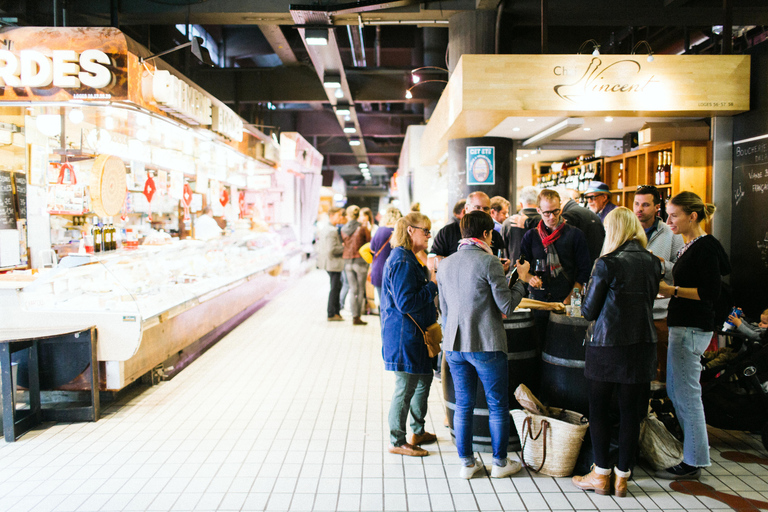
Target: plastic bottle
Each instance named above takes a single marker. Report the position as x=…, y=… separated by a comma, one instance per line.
x=737, y=312
x=576, y=303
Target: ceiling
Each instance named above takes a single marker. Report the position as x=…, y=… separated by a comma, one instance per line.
x=272, y=78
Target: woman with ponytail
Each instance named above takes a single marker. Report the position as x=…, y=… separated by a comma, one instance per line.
x=697, y=274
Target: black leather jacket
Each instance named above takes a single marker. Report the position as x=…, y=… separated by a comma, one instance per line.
x=620, y=294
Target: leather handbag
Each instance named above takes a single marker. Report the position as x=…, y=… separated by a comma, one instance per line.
x=433, y=337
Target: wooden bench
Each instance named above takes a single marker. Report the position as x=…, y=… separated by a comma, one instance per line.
x=17, y=423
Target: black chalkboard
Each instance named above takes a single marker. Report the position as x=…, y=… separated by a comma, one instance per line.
x=749, y=229
x=20, y=183
x=7, y=206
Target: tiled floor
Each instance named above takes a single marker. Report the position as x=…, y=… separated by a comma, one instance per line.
x=288, y=412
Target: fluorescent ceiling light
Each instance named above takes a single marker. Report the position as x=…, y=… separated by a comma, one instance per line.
x=332, y=80
x=362, y=165
x=342, y=110
x=350, y=128
x=515, y=129
x=555, y=131
x=354, y=142
x=316, y=36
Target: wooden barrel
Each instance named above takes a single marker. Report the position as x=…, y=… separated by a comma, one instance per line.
x=523, y=368
x=562, y=371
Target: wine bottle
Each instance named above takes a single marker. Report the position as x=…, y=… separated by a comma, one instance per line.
x=97, y=238
x=668, y=169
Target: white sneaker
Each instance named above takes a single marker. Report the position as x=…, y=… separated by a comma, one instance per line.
x=469, y=471
x=511, y=468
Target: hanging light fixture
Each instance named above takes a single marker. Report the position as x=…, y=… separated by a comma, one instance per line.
x=595, y=47
x=647, y=46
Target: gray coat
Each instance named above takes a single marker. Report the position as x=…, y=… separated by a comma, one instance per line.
x=329, y=250
x=664, y=243
x=473, y=295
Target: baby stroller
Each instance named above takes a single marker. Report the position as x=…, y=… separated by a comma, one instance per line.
x=732, y=391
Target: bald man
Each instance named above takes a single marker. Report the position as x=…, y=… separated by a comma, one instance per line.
x=447, y=239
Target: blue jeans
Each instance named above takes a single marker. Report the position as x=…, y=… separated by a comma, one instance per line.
x=411, y=393
x=491, y=369
x=686, y=345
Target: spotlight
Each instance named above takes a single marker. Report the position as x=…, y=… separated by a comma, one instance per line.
x=416, y=79
x=408, y=95
x=316, y=36
x=339, y=93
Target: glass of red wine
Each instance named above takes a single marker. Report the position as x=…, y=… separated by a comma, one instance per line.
x=540, y=269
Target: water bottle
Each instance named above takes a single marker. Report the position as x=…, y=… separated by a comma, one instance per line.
x=576, y=303
x=737, y=312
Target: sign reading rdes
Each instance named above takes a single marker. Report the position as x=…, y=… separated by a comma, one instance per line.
x=65, y=69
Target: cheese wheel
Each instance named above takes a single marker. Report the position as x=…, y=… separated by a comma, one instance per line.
x=108, y=186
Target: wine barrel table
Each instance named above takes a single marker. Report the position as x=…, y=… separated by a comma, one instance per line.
x=562, y=371
x=523, y=369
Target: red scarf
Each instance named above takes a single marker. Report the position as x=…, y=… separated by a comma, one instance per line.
x=546, y=239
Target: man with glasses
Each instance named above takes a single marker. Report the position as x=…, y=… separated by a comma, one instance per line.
x=663, y=244
x=447, y=239
x=558, y=254
x=598, y=197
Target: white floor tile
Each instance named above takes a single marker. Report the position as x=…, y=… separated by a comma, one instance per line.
x=242, y=430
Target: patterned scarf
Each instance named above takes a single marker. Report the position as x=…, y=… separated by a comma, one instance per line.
x=553, y=259
x=477, y=243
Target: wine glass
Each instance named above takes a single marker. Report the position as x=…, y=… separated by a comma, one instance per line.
x=541, y=269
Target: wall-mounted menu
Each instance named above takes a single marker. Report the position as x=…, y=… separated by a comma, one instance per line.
x=7, y=204
x=749, y=230
x=20, y=184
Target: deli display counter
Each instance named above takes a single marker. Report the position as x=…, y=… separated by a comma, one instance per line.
x=149, y=303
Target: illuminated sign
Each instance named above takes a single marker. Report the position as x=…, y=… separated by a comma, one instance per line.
x=227, y=123
x=65, y=69
x=180, y=99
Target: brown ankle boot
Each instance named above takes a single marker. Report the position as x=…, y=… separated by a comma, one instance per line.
x=601, y=484
x=358, y=321
x=619, y=485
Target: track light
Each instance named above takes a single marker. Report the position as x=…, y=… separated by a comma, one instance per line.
x=408, y=94
x=316, y=36
x=332, y=80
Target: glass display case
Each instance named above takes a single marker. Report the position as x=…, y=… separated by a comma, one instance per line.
x=135, y=296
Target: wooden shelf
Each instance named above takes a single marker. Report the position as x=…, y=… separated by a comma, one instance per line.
x=691, y=170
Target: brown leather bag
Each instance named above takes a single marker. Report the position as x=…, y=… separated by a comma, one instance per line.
x=433, y=337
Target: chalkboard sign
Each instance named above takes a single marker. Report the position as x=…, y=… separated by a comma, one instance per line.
x=20, y=183
x=749, y=230
x=7, y=206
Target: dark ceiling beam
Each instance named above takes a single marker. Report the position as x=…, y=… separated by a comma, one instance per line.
x=651, y=13
x=248, y=12
x=279, y=44
x=300, y=84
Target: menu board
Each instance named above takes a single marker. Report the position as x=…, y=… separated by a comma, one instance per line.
x=749, y=230
x=7, y=207
x=20, y=183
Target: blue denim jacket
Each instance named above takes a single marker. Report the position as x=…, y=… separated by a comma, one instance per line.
x=406, y=289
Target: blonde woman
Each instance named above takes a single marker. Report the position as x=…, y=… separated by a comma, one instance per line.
x=621, y=351
x=696, y=274
x=354, y=235
x=408, y=292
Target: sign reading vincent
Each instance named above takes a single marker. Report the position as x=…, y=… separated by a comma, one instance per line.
x=47, y=64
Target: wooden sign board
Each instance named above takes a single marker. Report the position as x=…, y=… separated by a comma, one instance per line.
x=486, y=89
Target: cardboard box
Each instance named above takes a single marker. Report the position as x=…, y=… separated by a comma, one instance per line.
x=656, y=133
x=609, y=147
x=630, y=142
